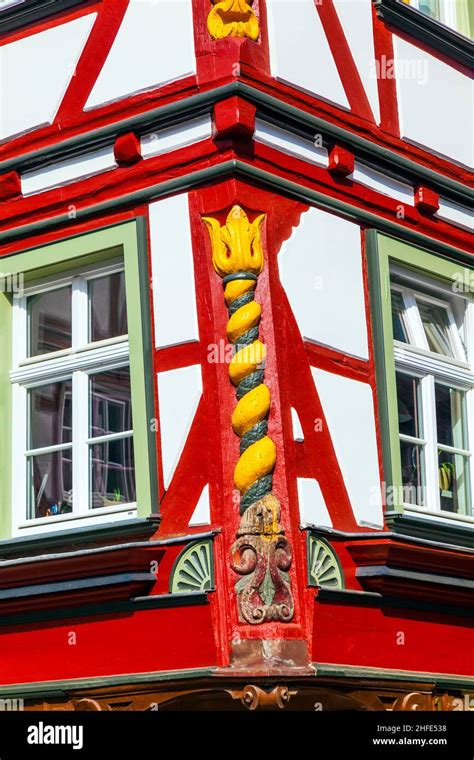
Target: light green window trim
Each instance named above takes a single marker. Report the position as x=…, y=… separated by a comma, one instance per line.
x=465, y=17
x=382, y=251
x=127, y=240
x=5, y=415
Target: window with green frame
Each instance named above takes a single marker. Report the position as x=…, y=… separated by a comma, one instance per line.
x=424, y=333
x=456, y=14
x=76, y=393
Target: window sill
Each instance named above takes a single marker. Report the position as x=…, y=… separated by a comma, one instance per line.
x=102, y=516
x=427, y=30
x=77, y=535
x=439, y=516
x=438, y=527
x=28, y=12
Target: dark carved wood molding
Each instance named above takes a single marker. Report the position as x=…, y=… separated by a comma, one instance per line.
x=30, y=11
x=257, y=696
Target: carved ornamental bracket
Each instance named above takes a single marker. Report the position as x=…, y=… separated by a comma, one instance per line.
x=233, y=18
x=262, y=554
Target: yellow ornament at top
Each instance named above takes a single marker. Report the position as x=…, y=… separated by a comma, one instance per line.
x=236, y=247
x=233, y=18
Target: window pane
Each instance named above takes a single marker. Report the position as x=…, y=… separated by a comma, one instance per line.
x=399, y=329
x=8, y=3
x=50, y=321
x=408, y=395
x=50, y=479
x=110, y=402
x=430, y=8
x=454, y=482
x=436, y=325
x=51, y=415
x=108, y=307
x=413, y=478
x=112, y=473
x=450, y=420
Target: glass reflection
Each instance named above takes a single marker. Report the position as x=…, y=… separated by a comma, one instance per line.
x=412, y=456
x=50, y=476
x=110, y=402
x=398, y=321
x=450, y=416
x=408, y=395
x=436, y=326
x=49, y=318
x=112, y=467
x=454, y=482
x=51, y=415
x=107, y=307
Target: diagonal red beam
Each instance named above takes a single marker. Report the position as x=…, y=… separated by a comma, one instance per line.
x=94, y=55
x=344, y=60
x=387, y=85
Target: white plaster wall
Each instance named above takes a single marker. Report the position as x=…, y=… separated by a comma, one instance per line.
x=177, y=136
x=154, y=45
x=456, y=214
x=64, y=172
x=321, y=270
x=298, y=434
x=382, y=183
x=299, y=51
x=436, y=103
x=202, y=512
x=174, y=294
x=288, y=143
x=348, y=406
x=35, y=72
x=313, y=509
x=356, y=19
x=179, y=391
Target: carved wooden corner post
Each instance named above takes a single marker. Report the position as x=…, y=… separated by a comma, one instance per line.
x=261, y=554
x=232, y=18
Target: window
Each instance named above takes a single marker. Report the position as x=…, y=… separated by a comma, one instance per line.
x=4, y=4
x=434, y=388
x=456, y=14
x=422, y=307
x=76, y=384
x=445, y=25
x=72, y=390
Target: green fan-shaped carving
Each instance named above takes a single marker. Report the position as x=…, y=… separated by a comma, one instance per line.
x=323, y=565
x=193, y=569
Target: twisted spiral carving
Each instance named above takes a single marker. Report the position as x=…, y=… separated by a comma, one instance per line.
x=253, y=471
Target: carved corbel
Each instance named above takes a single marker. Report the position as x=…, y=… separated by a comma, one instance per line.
x=233, y=18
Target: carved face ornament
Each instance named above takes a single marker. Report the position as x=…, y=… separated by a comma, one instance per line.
x=233, y=18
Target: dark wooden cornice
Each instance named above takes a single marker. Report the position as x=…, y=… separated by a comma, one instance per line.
x=404, y=555
x=76, y=578
x=31, y=11
x=70, y=539
x=422, y=573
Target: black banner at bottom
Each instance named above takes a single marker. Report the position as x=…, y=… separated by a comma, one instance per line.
x=124, y=734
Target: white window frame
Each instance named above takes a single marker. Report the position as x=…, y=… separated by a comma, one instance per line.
x=416, y=360
x=77, y=363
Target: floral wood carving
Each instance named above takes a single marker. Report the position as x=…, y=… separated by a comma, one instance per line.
x=233, y=18
x=428, y=703
x=256, y=698
x=262, y=554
